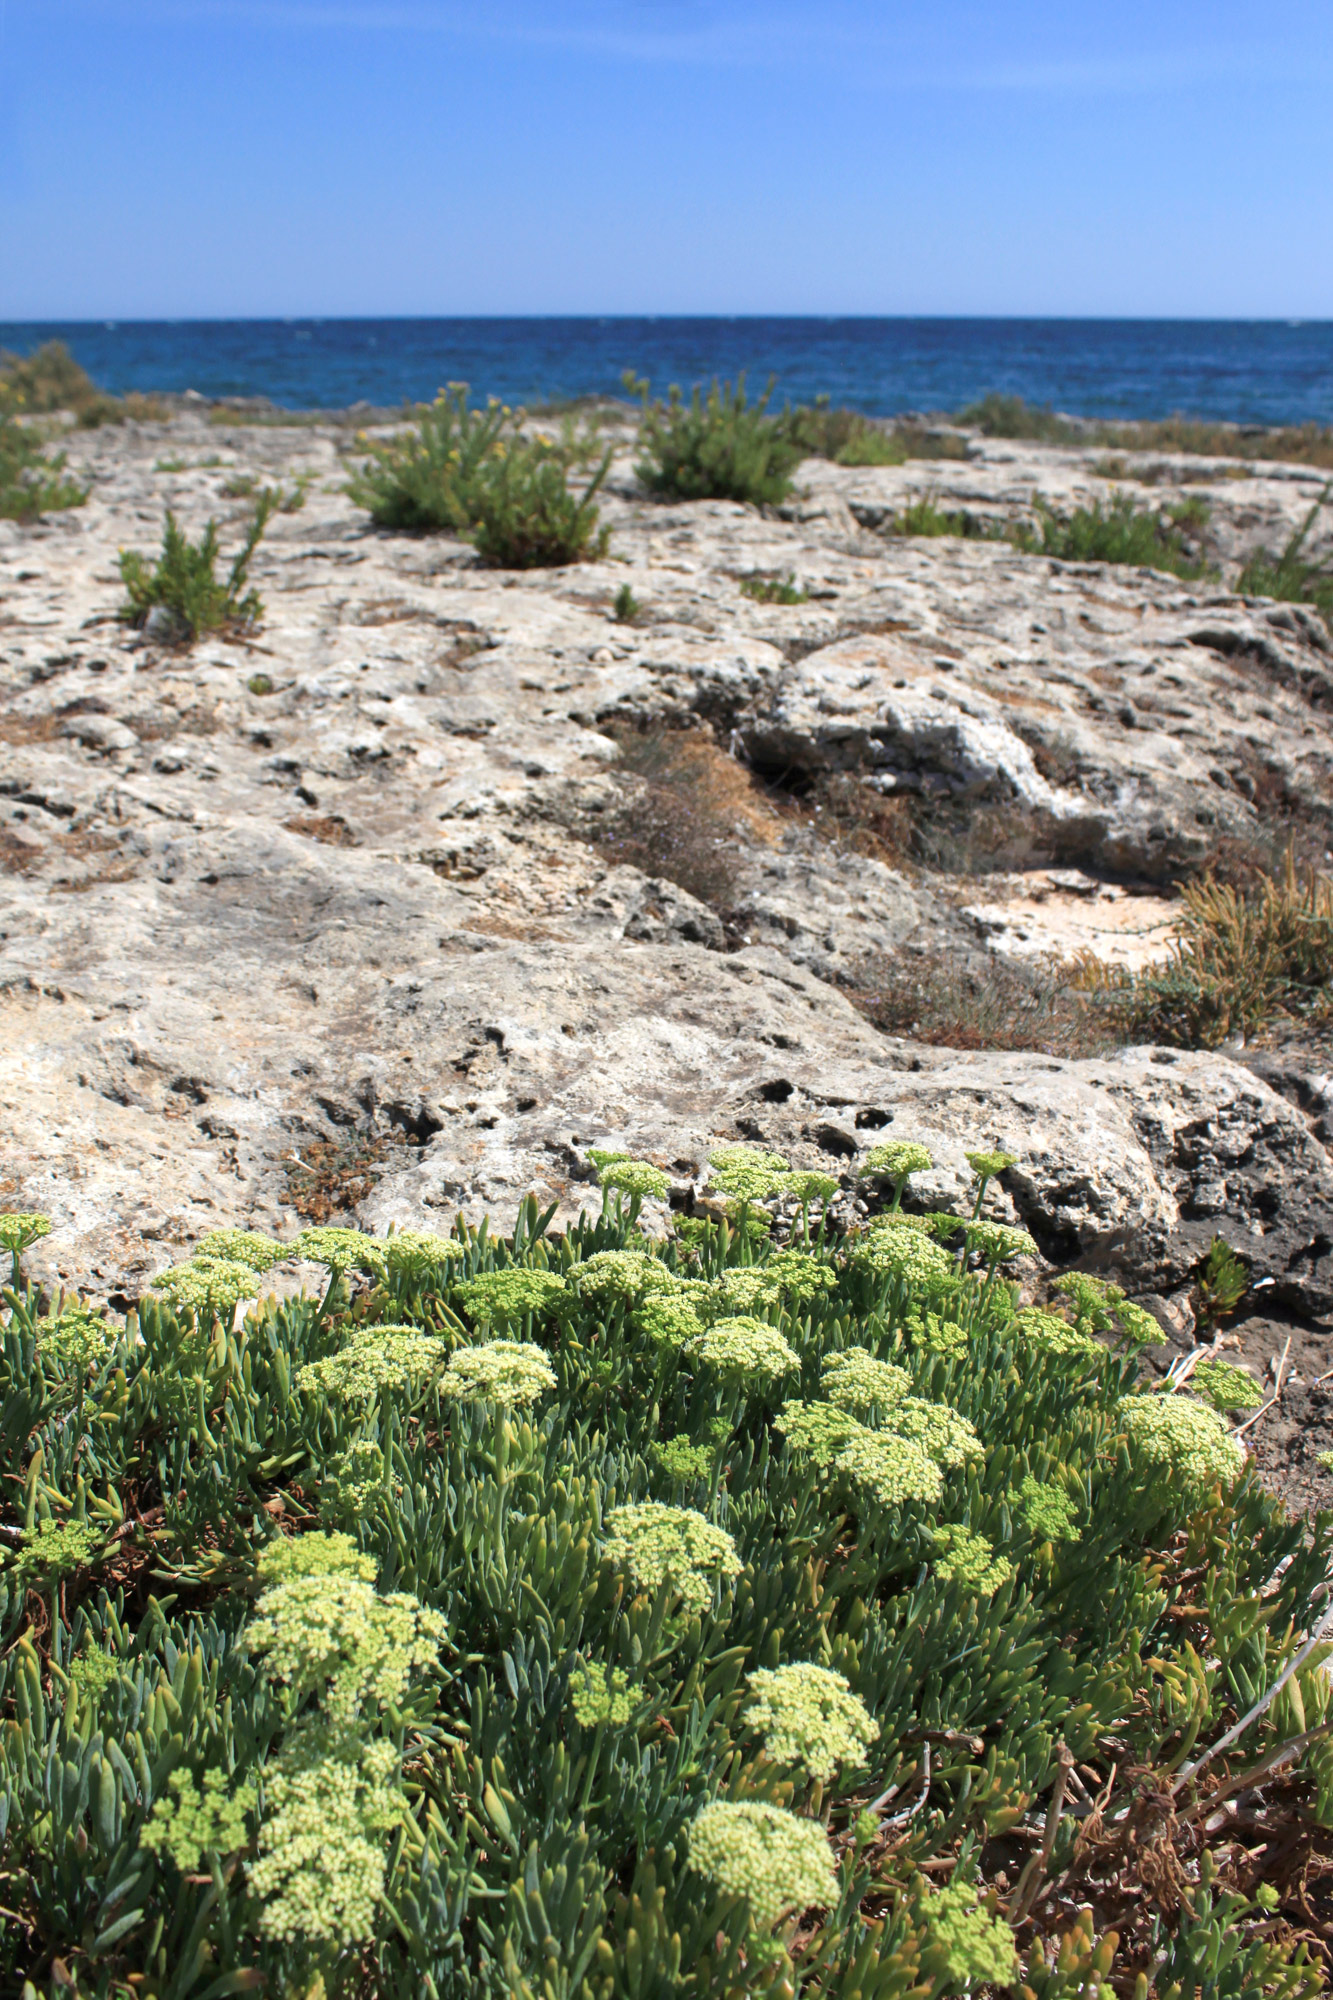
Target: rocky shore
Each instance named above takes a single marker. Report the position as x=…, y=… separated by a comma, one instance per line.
x=323, y=914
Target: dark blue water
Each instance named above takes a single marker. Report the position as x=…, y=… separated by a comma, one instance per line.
x=1249, y=371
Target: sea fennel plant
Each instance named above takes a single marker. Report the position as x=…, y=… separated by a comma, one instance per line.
x=719, y=1611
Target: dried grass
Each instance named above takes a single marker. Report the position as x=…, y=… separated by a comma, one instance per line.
x=689, y=815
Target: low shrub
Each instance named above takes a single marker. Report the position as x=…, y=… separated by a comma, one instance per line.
x=687, y=816
x=1303, y=444
x=715, y=447
x=1002, y=416
x=1246, y=955
x=1011, y=417
x=924, y=517
x=429, y=478
x=844, y=436
x=50, y=379
x=472, y=472
x=848, y=438
x=626, y=608
x=32, y=479
x=1291, y=576
x=954, y=1001
x=872, y=446
x=525, y=515
x=774, y=589
x=180, y=596
x=1119, y=532
x=743, y=1609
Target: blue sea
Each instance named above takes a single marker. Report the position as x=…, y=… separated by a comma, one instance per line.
x=1247, y=371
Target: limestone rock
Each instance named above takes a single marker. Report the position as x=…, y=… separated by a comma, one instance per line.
x=313, y=908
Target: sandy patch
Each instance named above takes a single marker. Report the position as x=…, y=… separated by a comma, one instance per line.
x=1060, y=913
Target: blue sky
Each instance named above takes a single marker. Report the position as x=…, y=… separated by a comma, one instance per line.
x=251, y=157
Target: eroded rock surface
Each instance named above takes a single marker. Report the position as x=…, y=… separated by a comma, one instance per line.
x=355, y=912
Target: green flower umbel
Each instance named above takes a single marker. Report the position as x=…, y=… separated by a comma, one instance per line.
x=778, y=1862
x=512, y=1373
x=657, y=1544
x=807, y=1715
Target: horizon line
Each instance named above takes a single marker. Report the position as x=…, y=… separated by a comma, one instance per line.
x=111, y=321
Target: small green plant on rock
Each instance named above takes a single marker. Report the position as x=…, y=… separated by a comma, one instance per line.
x=1291, y=576
x=924, y=517
x=1221, y=1283
x=715, y=447
x=774, y=589
x=180, y=596
x=1119, y=532
x=32, y=480
x=526, y=515
x=626, y=608
x=429, y=478
x=472, y=472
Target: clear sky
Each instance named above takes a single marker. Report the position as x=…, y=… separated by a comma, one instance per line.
x=193, y=158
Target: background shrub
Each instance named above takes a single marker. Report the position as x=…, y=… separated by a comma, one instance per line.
x=1291, y=576
x=845, y=436
x=1002, y=416
x=32, y=480
x=1119, y=532
x=925, y=517
x=429, y=479
x=525, y=515
x=50, y=379
x=715, y=447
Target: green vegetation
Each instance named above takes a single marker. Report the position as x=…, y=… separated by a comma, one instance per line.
x=1223, y=1280
x=32, y=480
x=923, y=517
x=526, y=516
x=1010, y=417
x=599, y=1614
x=845, y=436
x=180, y=595
x=848, y=438
x=1291, y=576
x=774, y=589
x=1120, y=532
x=472, y=472
x=429, y=478
x=1245, y=957
x=50, y=380
x=626, y=609
x=715, y=447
